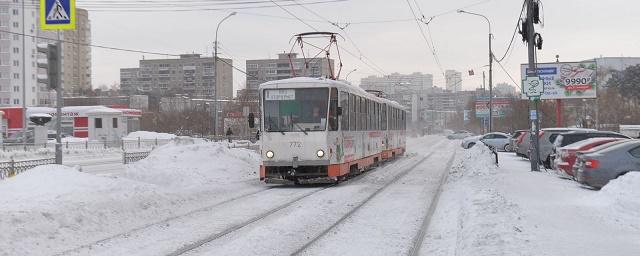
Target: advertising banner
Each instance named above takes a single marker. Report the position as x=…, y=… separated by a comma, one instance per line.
x=565, y=80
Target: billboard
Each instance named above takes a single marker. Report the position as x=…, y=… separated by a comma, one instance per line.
x=565, y=80
x=500, y=107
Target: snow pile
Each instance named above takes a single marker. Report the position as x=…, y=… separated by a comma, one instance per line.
x=189, y=163
x=145, y=135
x=50, y=206
x=620, y=199
x=476, y=161
x=474, y=218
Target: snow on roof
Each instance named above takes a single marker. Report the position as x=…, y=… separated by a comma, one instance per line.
x=40, y=115
x=104, y=111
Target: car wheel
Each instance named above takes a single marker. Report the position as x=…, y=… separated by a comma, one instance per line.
x=547, y=163
x=471, y=145
x=507, y=148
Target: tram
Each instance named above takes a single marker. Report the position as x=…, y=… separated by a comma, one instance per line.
x=317, y=130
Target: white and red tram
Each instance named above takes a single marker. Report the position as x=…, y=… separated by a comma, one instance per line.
x=317, y=130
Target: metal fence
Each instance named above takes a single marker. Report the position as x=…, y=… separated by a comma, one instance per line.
x=124, y=144
x=13, y=168
x=130, y=157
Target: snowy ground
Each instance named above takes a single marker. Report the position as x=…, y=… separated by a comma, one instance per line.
x=486, y=210
x=198, y=198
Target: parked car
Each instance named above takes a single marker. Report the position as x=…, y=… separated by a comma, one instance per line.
x=513, y=142
x=566, y=155
x=497, y=140
x=565, y=139
x=459, y=135
x=522, y=144
x=599, y=165
x=547, y=137
x=18, y=137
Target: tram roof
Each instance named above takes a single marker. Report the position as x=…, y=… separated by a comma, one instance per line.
x=310, y=82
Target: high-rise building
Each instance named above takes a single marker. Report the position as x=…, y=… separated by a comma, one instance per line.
x=263, y=70
x=453, y=80
x=190, y=74
x=394, y=83
x=18, y=55
x=77, y=56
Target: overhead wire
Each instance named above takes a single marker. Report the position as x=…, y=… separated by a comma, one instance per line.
x=342, y=28
x=424, y=36
x=515, y=31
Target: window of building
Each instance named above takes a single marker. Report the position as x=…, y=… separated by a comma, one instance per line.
x=16, y=50
x=15, y=12
x=16, y=63
x=16, y=75
x=16, y=37
x=115, y=122
x=252, y=66
x=16, y=89
x=16, y=24
x=98, y=122
x=16, y=101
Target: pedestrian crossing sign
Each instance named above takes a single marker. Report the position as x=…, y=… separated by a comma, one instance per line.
x=57, y=14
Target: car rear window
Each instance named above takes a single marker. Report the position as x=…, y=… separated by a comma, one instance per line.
x=573, y=138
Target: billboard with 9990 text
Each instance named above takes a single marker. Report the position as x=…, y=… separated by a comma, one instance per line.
x=565, y=80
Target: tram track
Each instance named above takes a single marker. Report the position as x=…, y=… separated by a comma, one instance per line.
x=197, y=246
x=360, y=205
x=103, y=246
x=193, y=246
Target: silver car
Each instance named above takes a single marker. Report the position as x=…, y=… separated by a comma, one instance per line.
x=601, y=164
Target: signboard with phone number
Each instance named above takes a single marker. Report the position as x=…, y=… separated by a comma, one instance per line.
x=566, y=80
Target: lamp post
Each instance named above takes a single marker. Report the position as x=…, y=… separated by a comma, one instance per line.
x=215, y=70
x=347, y=76
x=490, y=68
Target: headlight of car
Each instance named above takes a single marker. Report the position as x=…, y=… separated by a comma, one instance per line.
x=269, y=154
x=320, y=153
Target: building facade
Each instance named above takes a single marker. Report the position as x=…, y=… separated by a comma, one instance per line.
x=77, y=56
x=190, y=74
x=398, y=83
x=18, y=55
x=263, y=70
x=453, y=80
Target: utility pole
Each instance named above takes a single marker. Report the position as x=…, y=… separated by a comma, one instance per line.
x=216, y=76
x=490, y=82
x=534, y=155
x=59, y=91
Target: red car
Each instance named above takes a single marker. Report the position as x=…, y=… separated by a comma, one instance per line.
x=567, y=155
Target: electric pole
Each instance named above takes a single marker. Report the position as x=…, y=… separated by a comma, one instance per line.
x=530, y=34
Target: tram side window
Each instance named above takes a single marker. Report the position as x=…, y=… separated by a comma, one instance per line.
x=344, y=104
x=358, y=114
x=352, y=115
x=384, y=117
x=363, y=115
x=333, y=110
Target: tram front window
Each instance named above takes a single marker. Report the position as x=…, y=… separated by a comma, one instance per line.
x=296, y=110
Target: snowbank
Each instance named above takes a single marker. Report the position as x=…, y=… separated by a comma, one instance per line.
x=145, y=135
x=474, y=218
x=49, y=206
x=620, y=199
x=189, y=163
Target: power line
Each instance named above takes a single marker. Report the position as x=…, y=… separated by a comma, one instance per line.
x=182, y=8
x=90, y=45
x=362, y=55
x=515, y=31
x=425, y=38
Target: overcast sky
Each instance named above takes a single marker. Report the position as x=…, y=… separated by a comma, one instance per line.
x=574, y=29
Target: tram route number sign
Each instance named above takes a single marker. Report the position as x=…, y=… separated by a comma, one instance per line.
x=282, y=94
x=533, y=87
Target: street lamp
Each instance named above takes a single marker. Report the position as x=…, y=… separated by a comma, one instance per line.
x=347, y=76
x=490, y=68
x=215, y=70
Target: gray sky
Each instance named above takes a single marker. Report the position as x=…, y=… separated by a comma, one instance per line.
x=574, y=29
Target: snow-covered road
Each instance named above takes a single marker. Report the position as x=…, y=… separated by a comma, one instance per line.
x=280, y=220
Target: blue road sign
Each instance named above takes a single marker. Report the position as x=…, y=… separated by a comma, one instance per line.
x=57, y=14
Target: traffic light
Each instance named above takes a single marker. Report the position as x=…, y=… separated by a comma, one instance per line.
x=51, y=64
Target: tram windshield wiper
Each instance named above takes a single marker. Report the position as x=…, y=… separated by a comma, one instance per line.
x=271, y=125
x=300, y=128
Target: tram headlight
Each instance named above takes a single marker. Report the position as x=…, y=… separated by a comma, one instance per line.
x=269, y=154
x=320, y=153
